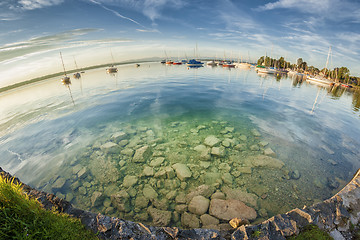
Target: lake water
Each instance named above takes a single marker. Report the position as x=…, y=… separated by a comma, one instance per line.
x=139, y=143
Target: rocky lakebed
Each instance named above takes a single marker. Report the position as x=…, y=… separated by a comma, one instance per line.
x=198, y=174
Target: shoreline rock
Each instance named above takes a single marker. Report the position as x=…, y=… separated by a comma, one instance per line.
x=334, y=215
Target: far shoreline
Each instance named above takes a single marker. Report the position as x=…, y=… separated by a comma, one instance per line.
x=43, y=78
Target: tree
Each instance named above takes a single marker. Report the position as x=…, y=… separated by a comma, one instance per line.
x=260, y=61
x=299, y=62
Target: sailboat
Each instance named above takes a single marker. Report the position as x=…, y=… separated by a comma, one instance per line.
x=321, y=79
x=76, y=75
x=112, y=68
x=65, y=80
x=194, y=62
x=241, y=64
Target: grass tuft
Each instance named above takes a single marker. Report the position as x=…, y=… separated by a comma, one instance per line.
x=22, y=217
x=312, y=232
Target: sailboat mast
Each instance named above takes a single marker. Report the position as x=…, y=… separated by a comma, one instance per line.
x=327, y=60
x=76, y=64
x=62, y=63
x=112, y=57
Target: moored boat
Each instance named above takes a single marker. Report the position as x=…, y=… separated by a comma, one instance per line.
x=211, y=63
x=228, y=65
x=65, y=80
x=319, y=80
x=268, y=70
x=194, y=63
x=112, y=69
x=77, y=75
x=242, y=65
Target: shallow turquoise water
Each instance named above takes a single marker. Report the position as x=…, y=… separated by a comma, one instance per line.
x=63, y=148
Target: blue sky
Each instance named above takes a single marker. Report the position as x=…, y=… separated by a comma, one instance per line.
x=34, y=31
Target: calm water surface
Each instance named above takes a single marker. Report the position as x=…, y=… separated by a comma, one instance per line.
x=274, y=144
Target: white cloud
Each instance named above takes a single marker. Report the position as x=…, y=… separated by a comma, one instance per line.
x=34, y=4
x=148, y=30
x=312, y=6
x=153, y=9
x=333, y=10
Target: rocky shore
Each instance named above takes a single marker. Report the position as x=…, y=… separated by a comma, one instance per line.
x=338, y=216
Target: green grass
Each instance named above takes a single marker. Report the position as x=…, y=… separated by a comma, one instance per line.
x=24, y=218
x=312, y=232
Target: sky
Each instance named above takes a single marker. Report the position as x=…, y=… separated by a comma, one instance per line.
x=33, y=32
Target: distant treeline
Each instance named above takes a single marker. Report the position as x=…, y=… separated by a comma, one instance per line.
x=338, y=74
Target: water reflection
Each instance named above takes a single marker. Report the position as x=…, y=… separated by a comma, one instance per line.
x=356, y=100
x=337, y=91
x=88, y=152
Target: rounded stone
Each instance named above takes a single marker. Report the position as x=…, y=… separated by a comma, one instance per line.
x=199, y=205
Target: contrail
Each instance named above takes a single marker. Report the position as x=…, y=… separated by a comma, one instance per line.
x=117, y=14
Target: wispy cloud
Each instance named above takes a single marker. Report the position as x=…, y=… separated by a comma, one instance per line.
x=312, y=6
x=25, y=5
x=116, y=13
x=153, y=9
x=42, y=44
x=148, y=30
x=34, y=4
x=334, y=10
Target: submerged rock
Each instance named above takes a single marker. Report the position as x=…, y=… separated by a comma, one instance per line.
x=207, y=220
x=263, y=143
x=202, y=190
x=129, y=181
x=254, y=147
x=199, y=205
x=255, y=132
x=76, y=168
x=269, y=152
x=218, y=151
x=59, y=183
x=218, y=195
x=121, y=201
x=148, y=171
x=200, y=148
x=211, y=141
x=211, y=178
x=157, y=162
x=159, y=217
x=243, y=138
x=264, y=161
x=96, y=199
x=238, y=194
x=229, y=209
x=142, y=154
x=118, y=136
x=190, y=220
x=141, y=202
x=149, y=192
x=295, y=174
x=182, y=171
x=104, y=171
x=110, y=147
x=128, y=152
x=205, y=155
x=332, y=183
